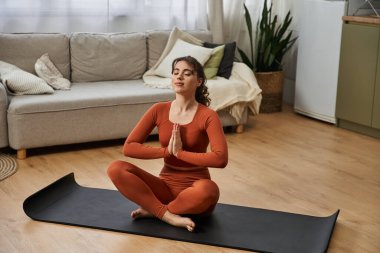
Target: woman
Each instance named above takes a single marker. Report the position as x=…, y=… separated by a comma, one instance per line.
x=185, y=127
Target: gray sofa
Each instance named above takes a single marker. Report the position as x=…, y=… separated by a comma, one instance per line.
x=107, y=95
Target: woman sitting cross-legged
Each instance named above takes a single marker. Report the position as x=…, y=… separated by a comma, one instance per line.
x=186, y=126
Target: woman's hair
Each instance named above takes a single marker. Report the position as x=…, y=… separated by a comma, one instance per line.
x=201, y=93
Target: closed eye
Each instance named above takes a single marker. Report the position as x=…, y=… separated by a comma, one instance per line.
x=187, y=72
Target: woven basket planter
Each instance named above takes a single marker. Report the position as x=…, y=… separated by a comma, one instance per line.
x=271, y=84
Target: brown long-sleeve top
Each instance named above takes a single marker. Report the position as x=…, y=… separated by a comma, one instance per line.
x=204, y=129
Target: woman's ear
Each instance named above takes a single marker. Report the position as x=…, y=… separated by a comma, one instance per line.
x=200, y=80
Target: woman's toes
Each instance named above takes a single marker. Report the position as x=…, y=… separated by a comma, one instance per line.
x=191, y=226
x=135, y=214
x=140, y=213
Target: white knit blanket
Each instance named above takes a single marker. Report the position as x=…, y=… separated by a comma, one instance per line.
x=234, y=94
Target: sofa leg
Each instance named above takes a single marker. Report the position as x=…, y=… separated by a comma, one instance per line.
x=240, y=129
x=21, y=154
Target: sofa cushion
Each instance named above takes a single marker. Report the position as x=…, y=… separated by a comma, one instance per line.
x=46, y=69
x=225, y=67
x=157, y=41
x=20, y=82
x=90, y=95
x=3, y=117
x=23, y=50
x=107, y=57
x=182, y=48
x=212, y=65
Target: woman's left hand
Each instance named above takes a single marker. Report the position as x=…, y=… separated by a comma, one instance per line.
x=176, y=139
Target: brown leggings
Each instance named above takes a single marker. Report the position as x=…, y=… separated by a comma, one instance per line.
x=156, y=196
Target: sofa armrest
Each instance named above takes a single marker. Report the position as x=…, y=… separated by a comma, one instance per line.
x=3, y=116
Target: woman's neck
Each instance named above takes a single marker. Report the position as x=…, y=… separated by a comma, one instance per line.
x=185, y=104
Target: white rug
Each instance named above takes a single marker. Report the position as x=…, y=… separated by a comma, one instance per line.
x=8, y=166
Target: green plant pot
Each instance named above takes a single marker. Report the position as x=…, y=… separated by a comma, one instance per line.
x=271, y=84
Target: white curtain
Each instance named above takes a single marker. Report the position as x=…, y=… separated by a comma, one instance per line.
x=226, y=18
x=101, y=15
x=233, y=19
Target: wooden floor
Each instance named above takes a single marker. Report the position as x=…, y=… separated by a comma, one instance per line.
x=283, y=161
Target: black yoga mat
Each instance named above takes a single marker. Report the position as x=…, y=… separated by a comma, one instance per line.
x=66, y=202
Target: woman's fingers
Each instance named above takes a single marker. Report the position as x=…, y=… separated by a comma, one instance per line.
x=172, y=141
x=177, y=142
x=170, y=145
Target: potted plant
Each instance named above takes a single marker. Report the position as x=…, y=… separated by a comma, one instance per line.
x=271, y=43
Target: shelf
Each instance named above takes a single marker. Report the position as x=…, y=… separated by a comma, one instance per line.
x=362, y=19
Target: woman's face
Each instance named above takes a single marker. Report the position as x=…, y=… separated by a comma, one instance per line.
x=184, y=78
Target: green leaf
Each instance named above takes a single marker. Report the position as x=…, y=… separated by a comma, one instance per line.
x=245, y=59
x=271, y=42
x=248, y=22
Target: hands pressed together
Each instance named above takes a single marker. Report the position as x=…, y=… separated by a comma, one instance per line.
x=175, y=142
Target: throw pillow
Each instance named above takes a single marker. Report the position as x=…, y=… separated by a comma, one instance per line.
x=46, y=69
x=20, y=82
x=163, y=40
x=182, y=48
x=212, y=65
x=176, y=34
x=225, y=67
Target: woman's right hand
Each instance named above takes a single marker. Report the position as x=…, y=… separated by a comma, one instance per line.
x=175, y=142
x=170, y=145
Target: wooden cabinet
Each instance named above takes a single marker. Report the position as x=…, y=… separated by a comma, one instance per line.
x=358, y=95
x=376, y=97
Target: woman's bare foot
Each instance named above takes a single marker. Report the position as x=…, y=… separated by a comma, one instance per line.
x=141, y=213
x=178, y=221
